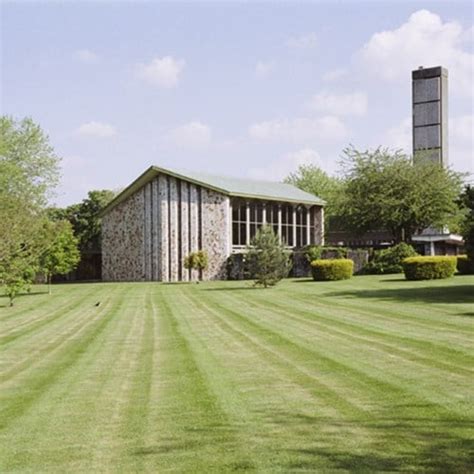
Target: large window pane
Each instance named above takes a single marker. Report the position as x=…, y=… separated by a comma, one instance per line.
x=243, y=234
x=235, y=234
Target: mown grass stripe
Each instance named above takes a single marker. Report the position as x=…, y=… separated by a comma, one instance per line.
x=135, y=412
x=358, y=377
x=428, y=319
x=354, y=325
x=22, y=401
x=189, y=399
x=34, y=326
x=272, y=346
x=68, y=409
x=225, y=382
x=357, y=334
x=34, y=353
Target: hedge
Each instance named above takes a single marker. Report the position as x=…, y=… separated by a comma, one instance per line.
x=389, y=260
x=330, y=270
x=429, y=268
x=465, y=266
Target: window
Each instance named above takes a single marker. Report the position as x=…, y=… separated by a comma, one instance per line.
x=287, y=225
x=239, y=223
x=294, y=221
x=301, y=227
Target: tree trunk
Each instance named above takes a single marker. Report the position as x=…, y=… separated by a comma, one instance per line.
x=49, y=283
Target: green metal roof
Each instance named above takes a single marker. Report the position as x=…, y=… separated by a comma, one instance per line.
x=236, y=187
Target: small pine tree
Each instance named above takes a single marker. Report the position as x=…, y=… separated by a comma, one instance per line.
x=268, y=262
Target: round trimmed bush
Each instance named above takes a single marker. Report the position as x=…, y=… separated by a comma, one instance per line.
x=429, y=268
x=389, y=260
x=465, y=266
x=330, y=270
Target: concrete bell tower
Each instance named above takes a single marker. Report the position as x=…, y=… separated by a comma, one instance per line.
x=430, y=114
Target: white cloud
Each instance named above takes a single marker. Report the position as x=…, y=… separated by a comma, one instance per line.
x=96, y=129
x=306, y=41
x=264, y=68
x=161, y=72
x=334, y=75
x=299, y=130
x=86, y=56
x=340, y=104
x=192, y=135
x=424, y=40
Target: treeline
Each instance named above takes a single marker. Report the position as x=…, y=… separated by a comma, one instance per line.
x=35, y=239
x=384, y=189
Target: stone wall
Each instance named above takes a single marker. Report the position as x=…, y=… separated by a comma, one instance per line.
x=148, y=236
x=318, y=227
x=215, y=233
x=123, y=241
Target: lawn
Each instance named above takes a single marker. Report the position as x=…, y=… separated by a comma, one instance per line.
x=369, y=374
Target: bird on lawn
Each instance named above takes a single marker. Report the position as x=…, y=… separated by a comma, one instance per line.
x=97, y=304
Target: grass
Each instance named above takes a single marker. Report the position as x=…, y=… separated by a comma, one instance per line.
x=369, y=374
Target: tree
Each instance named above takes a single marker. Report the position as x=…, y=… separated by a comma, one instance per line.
x=385, y=190
x=267, y=260
x=62, y=255
x=84, y=218
x=17, y=272
x=466, y=202
x=30, y=162
x=314, y=180
x=196, y=261
x=29, y=170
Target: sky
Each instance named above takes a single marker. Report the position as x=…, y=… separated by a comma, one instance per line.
x=244, y=89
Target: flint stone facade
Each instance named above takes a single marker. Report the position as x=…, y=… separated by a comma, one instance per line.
x=149, y=229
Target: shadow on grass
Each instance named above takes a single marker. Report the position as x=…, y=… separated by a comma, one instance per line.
x=305, y=280
x=237, y=288
x=427, y=294
x=406, y=440
x=5, y=302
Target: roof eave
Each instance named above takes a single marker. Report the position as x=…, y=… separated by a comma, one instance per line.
x=154, y=171
x=262, y=197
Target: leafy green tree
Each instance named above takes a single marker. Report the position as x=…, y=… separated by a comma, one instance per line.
x=466, y=202
x=314, y=180
x=62, y=255
x=17, y=273
x=389, y=260
x=29, y=170
x=385, y=190
x=84, y=218
x=267, y=260
x=29, y=165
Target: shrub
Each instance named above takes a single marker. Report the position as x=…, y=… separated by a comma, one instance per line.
x=429, y=268
x=464, y=265
x=268, y=262
x=389, y=260
x=330, y=270
x=196, y=260
x=313, y=252
x=334, y=252
x=316, y=252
